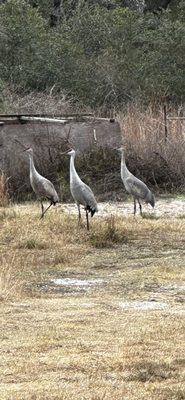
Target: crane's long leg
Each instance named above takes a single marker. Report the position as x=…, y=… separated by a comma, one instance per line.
x=140, y=207
x=44, y=212
x=87, y=218
x=79, y=214
x=134, y=206
x=42, y=209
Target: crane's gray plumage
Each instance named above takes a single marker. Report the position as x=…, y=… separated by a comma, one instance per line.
x=82, y=194
x=135, y=186
x=42, y=187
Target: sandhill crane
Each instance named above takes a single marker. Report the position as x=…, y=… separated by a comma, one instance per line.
x=42, y=187
x=135, y=186
x=82, y=194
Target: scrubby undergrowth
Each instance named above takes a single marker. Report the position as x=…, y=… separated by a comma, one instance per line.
x=156, y=159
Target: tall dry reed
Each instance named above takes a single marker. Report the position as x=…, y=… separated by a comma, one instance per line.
x=4, y=195
x=150, y=155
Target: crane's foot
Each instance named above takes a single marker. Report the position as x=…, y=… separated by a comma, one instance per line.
x=42, y=210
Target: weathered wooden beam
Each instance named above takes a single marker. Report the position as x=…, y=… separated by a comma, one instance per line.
x=64, y=115
x=176, y=118
x=43, y=119
x=15, y=119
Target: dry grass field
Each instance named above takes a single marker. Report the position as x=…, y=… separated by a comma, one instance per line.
x=93, y=316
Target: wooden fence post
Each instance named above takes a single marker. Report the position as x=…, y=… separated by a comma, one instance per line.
x=165, y=122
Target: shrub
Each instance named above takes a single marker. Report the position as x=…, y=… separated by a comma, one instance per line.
x=108, y=234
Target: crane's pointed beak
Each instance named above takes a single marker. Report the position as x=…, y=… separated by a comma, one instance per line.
x=66, y=152
x=21, y=144
x=119, y=149
x=116, y=149
x=26, y=148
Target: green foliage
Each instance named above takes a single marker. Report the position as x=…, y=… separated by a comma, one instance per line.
x=161, y=59
x=1, y=92
x=154, y=5
x=24, y=47
x=44, y=7
x=103, y=54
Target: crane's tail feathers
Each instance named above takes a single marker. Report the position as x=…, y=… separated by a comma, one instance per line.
x=55, y=202
x=91, y=210
x=152, y=201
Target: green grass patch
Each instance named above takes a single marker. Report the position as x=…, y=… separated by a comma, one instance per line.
x=32, y=243
x=182, y=216
x=108, y=233
x=150, y=216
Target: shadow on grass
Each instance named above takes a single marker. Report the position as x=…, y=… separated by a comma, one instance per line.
x=151, y=371
x=170, y=394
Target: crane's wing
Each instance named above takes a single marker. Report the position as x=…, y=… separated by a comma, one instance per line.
x=91, y=203
x=136, y=187
x=46, y=189
x=86, y=189
x=89, y=194
x=83, y=194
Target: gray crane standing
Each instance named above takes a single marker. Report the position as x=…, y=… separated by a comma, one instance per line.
x=135, y=186
x=42, y=187
x=82, y=194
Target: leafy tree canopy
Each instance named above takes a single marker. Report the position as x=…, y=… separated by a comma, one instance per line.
x=104, y=53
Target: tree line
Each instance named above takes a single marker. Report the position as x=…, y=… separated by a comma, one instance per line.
x=104, y=54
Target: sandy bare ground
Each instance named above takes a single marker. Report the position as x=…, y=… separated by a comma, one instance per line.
x=164, y=208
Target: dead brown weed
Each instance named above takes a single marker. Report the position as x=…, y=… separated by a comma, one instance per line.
x=158, y=160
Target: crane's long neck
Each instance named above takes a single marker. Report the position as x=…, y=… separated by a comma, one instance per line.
x=32, y=166
x=124, y=170
x=73, y=173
